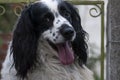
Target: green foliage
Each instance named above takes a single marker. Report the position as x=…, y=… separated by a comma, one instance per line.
x=96, y=76
x=7, y=20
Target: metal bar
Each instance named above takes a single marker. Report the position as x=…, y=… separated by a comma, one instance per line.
x=15, y=1
x=76, y=2
x=102, y=42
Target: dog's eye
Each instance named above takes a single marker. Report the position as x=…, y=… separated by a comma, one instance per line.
x=48, y=17
x=67, y=14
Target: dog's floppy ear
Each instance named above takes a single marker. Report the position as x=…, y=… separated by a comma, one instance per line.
x=79, y=44
x=24, y=44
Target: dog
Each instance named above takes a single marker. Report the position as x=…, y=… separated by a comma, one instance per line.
x=48, y=43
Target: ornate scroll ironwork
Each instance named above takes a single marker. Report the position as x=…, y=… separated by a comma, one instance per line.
x=18, y=9
x=98, y=11
x=2, y=10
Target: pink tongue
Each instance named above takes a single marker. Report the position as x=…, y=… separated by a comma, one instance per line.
x=65, y=53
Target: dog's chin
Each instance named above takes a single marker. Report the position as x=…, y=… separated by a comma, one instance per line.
x=65, y=52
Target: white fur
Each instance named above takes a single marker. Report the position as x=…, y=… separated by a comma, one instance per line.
x=51, y=68
x=8, y=72
x=52, y=5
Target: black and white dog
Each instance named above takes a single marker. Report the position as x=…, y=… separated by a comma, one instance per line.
x=48, y=44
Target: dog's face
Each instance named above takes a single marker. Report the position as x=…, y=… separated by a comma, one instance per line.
x=55, y=19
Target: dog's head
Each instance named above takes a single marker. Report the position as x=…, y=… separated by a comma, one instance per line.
x=57, y=22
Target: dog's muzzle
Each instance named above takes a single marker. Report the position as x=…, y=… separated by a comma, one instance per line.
x=67, y=32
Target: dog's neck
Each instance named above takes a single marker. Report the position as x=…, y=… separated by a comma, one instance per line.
x=52, y=69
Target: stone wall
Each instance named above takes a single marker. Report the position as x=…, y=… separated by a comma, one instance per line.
x=113, y=40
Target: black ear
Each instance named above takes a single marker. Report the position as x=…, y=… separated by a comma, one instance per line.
x=24, y=44
x=79, y=44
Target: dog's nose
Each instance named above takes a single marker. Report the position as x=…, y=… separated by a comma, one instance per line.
x=67, y=32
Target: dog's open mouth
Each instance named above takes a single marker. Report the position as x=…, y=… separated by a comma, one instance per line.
x=65, y=53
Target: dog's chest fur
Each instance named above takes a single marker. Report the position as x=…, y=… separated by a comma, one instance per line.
x=52, y=69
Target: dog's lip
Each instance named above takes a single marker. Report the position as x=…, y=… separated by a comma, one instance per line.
x=53, y=45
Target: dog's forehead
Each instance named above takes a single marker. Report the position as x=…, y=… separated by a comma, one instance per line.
x=51, y=4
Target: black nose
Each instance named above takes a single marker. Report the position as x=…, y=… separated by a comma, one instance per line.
x=67, y=32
